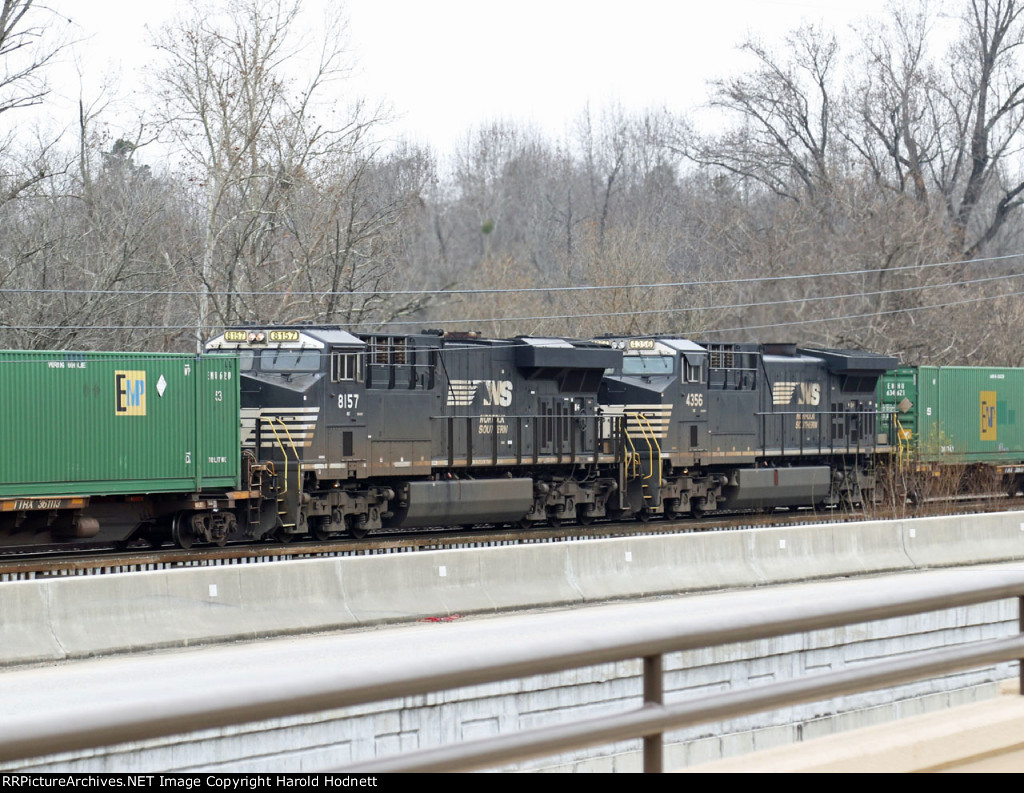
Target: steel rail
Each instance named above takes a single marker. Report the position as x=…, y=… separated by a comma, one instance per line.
x=39, y=566
x=32, y=565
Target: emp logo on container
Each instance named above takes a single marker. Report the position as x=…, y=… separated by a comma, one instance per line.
x=989, y=425
x=130, y=393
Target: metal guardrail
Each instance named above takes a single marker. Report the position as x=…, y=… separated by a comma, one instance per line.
x=661, y=627
x=655, y=717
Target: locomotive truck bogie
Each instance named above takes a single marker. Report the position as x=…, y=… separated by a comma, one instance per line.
x=356, y=509
x=557, y=499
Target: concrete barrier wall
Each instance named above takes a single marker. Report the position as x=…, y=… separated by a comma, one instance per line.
x=80, y=617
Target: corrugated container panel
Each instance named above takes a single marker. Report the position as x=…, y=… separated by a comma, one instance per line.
x=969, y=414
x=100, y=423
x=219, y=430
x=897, y=399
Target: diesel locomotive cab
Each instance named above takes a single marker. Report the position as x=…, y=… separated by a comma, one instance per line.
x=303, y=417
x=659, y=397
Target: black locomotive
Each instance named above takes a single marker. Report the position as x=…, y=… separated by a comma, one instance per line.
x=372, y=431
x=744, y=426
x=369, y=431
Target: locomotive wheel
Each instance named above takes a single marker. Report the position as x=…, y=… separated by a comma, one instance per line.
x=283, y=536
x=318, y=529
x=181, y=531
x=644, y=515
x=697, y=512
x=554, y=520
x=356, y=529
x=583, y=517
x=672, y=509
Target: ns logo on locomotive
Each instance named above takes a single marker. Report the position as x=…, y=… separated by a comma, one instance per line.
x=303, y=431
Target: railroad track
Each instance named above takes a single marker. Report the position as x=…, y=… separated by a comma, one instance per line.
x=107, y=561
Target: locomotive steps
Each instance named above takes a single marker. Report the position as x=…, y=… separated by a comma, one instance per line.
x=53, y=619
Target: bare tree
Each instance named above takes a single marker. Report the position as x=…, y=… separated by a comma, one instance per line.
x=26, y=48
x=253, y=134
x=983, y=110
x=890, y=109
x=785, y=107
x=28, y=44
x=886, y=170
x=947, y=129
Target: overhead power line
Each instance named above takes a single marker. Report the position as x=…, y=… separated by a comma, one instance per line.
x=609, y=314
x=498, y=291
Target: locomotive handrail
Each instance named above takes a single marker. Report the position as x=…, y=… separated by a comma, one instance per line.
x=284, y=451
x=632, y=457
x=903, y=447
x=652, y=443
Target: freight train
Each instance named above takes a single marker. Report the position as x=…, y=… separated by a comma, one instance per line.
x=303, y=431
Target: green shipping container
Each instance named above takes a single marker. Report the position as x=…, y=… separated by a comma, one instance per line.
x=962, y=414
x=96, y=423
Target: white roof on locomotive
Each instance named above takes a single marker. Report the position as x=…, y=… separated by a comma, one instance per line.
x=283, y=337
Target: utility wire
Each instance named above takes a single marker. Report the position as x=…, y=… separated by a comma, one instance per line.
x=589, y=315
x=483, y=343
x=496, y=291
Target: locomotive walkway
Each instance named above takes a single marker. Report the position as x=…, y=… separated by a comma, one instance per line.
x=79, y=619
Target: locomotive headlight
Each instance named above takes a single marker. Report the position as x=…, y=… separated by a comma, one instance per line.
x=257, y=337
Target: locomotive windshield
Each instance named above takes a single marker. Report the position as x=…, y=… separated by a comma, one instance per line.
x=648, y=364
x=246, y=360
x=282, y=360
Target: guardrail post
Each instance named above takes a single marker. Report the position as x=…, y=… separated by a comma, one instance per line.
x=1020, y=663
x=654, y=694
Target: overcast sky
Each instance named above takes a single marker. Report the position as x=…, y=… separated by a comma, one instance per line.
x=449, y=66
